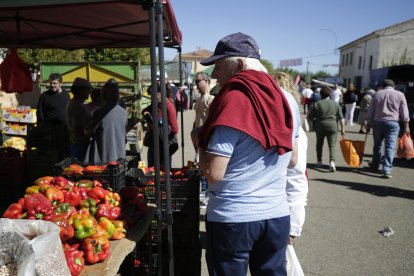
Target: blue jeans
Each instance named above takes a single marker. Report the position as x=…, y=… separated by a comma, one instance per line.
x=232, y=248
x=204, y=184
x=388, y=131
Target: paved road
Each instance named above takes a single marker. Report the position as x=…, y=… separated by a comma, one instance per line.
x=345, y=212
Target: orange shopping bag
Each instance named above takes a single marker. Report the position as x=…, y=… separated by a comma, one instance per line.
x=405, y=146
x=353, y=151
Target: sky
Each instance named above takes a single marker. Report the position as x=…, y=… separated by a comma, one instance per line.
x=310, y=30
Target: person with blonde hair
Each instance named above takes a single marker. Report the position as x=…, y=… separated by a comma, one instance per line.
x=296, y=180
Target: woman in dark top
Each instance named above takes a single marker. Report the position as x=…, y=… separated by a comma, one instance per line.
x=326, y=115
x=172, y=127
x=350, y=100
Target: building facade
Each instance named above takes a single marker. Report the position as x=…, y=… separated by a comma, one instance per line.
x=387, y=47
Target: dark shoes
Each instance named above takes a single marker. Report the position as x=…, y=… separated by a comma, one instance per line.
x=362, y=132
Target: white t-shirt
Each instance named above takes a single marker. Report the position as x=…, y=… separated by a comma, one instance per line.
x=336, y=95
x=201, y=109
x=307, y=93
x=297, y=187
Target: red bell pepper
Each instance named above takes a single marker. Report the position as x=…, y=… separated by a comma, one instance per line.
x=75, y=260
x=108, y=211
x=14, y=211
x=97, y=193
x=71, y=195
x=66, y=229
x=64, y=210
x=34, y=199
x=54, y=195
x=83, y=193
x=96, y=249
x=41, y=211
x=60, y=182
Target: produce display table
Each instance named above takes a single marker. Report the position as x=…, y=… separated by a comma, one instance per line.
x=121, y=248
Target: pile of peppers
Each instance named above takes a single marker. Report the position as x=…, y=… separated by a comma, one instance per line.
x=88, y=215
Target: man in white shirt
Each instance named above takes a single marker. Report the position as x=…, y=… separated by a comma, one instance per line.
x=336, y=94
x=306, y=96
x=201, y=108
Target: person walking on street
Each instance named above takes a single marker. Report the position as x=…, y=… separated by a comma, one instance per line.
x=336, y=95
x=387, y=108
x=326, y=115
x=172, y=127
x=201, y=108
x=350, y=100
x=296, y=179
x=363, y=108
x=246, y=145
x=306, y=97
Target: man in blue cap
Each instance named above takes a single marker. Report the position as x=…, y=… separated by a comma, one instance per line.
x=246, y=145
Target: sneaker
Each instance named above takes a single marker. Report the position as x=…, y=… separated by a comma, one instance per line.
x=387, y=175
x=332, y=167
x=319, y=164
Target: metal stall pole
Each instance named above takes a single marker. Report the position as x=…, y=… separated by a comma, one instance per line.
x=182, y=102
x=154, y=112
x=165, y=131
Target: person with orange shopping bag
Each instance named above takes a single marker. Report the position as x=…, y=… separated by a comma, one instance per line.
x=387, y=108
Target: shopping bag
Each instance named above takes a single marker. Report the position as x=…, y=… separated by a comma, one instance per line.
x=353, y=151
x=405, y=146
x=293, y=267
x=42, y=237
x=308, y=125
x=305, y=125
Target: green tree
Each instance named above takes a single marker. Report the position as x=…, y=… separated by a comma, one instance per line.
x=320, y=75
x=268, y=65
x=122, y=54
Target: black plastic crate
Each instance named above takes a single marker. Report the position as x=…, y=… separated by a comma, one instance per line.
x=184, y=190
x=113, y=176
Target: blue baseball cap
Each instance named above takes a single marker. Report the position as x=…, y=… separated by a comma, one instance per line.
x=234, y=45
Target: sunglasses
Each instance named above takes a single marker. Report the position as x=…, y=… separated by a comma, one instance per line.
x=197, y=81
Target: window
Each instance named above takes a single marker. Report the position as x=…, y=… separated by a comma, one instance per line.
x=370, y=63
x=343, y=59
x=346, y=59
x=359, y=62
x=351, y=58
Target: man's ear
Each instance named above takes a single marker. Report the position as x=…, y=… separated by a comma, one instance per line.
x=240, y=66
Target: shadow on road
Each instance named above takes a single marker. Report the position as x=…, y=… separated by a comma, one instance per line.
x=377, y=190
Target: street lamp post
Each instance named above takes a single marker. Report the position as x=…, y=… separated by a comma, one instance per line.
x=334, y=34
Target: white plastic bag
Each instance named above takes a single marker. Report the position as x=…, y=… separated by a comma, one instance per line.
x=292, y=263
x=305, y=125
x=43, y=236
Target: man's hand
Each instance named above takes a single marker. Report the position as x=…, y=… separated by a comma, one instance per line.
x=194, y=136
x=291, y=239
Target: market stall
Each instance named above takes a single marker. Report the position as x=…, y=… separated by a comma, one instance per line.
x=101, y=24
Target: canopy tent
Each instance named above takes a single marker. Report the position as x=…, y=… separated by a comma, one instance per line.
x=76, y=24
